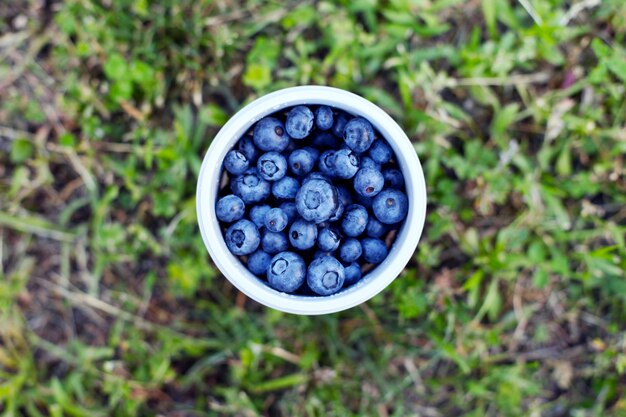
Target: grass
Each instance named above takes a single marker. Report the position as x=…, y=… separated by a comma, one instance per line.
x=514, y=303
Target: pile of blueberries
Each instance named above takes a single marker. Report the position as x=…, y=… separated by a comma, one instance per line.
x=313, y=197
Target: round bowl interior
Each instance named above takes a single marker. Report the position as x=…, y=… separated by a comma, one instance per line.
x=373, y=282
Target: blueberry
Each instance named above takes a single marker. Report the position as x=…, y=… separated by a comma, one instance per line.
x=299, y=122
x=317, y=200
x=340, y=123
x=368, y=182
x=242, y=237
x=346, y=164
x=328, y=239
x=230, y=208
x=358, y=134
x=275, y=220
x=308, y=210
x=274, y=242
x=324, y=117
x=236, y=162
x=325, y=275
x=354, y=220
x=270, y=135
x=367, y=162
x=374, y=250
x=350, y=250
x=339, y=164
x=393, y=179
x=258, y=262
x=286, y=272
x=250, y=187
x=352, y=273
x=257, y=214
x=286, y=188
x=302, y=161
x=272, y=166
x=325, y=140
x=289, y=207
x=390, y=206
x=380, y=151
x=375, y=228
x=302, y=234
x=246, y=146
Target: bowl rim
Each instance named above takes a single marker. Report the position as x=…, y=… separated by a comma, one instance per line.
x=372, y=283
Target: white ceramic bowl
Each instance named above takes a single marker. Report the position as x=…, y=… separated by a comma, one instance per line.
x=377, y=279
